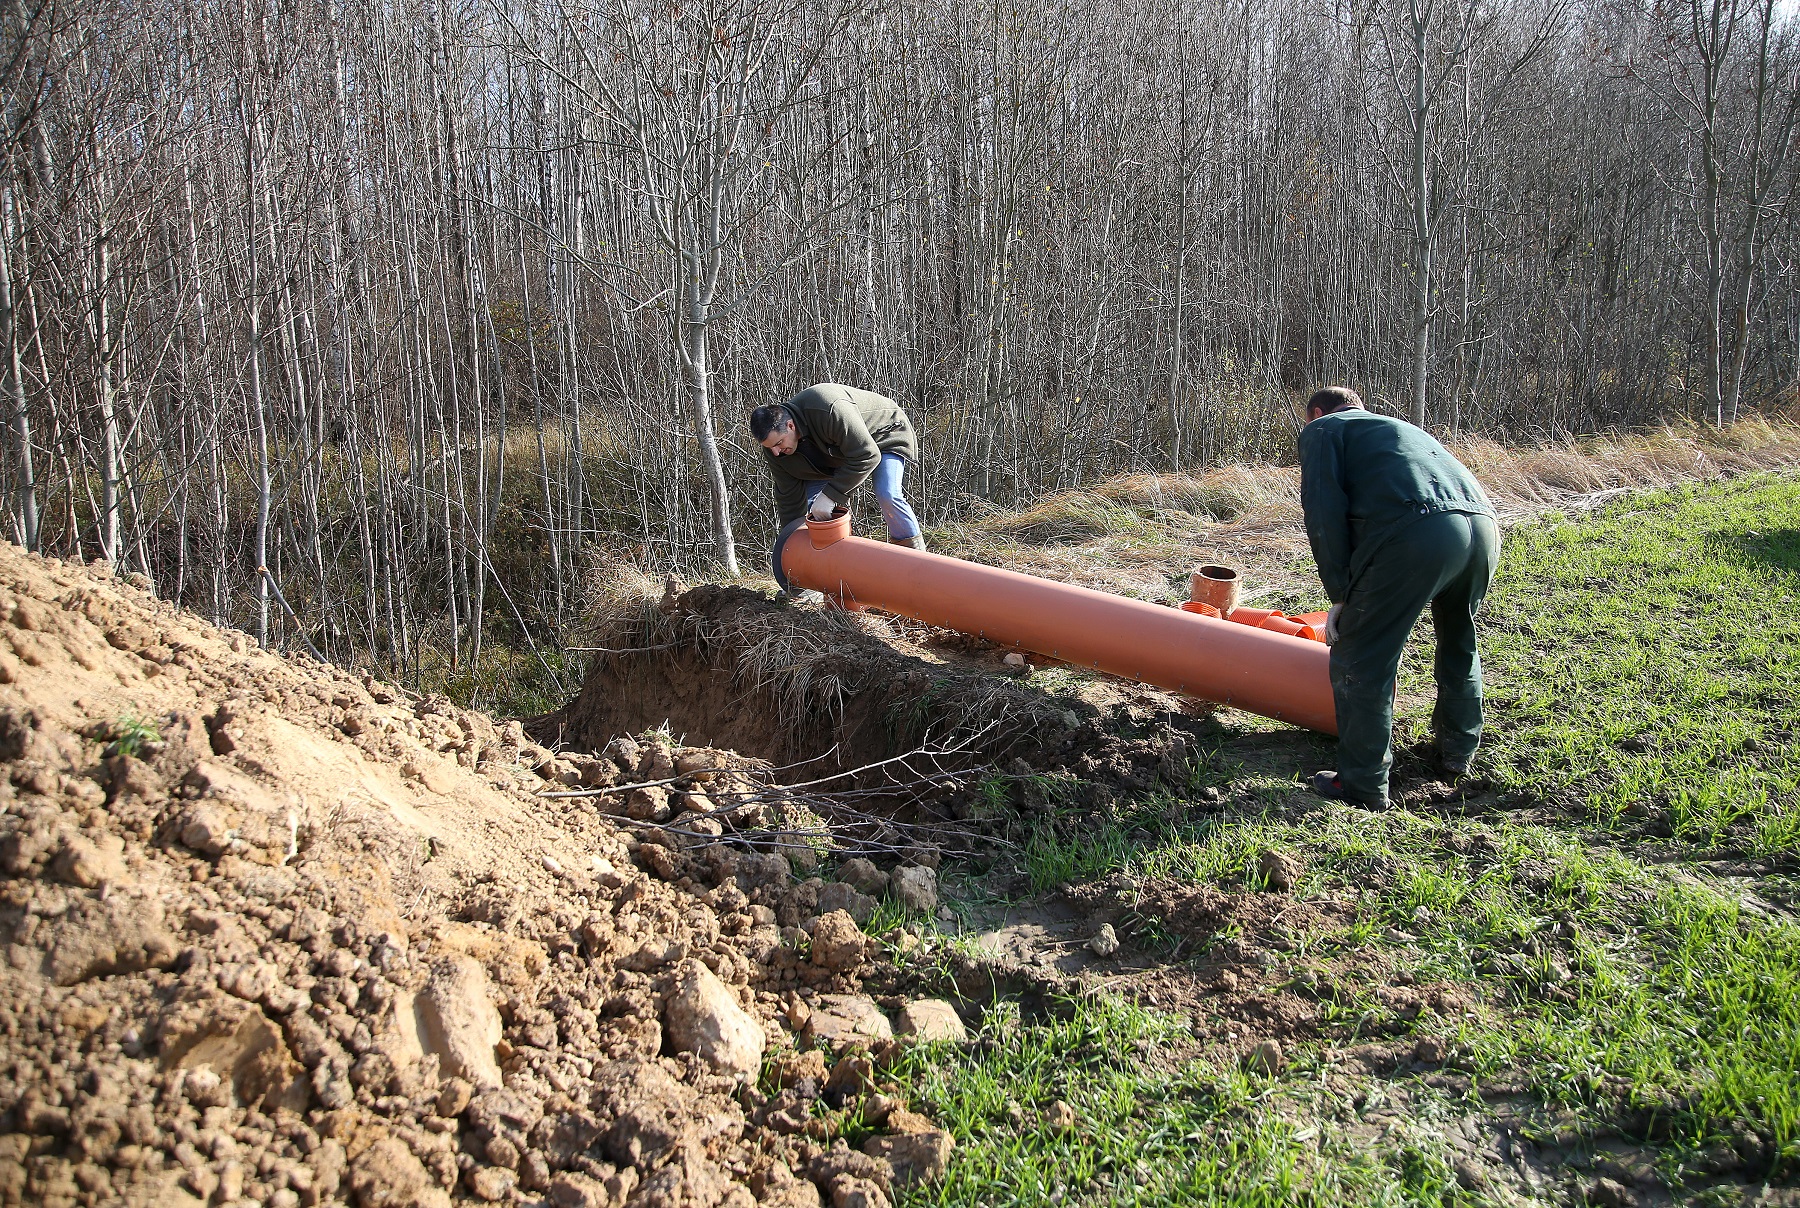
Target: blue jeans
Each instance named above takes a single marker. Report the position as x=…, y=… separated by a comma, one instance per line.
x=886, y=479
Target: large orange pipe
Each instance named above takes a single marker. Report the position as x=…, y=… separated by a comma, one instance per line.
x=1274, y=674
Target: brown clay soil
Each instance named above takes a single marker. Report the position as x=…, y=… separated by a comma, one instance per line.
x=276, y=933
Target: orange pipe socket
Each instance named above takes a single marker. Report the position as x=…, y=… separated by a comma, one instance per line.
x=1187, y=652
x=1217, y=586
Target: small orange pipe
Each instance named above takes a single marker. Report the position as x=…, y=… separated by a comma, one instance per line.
x=1254, y=617
x=1283, y=624
x=1238, y=665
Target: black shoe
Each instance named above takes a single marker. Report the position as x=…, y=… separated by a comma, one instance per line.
x=1328, y=785
x=1453, y=769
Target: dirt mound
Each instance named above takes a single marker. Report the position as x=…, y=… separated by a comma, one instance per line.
x=276, y=933
x=728, y=667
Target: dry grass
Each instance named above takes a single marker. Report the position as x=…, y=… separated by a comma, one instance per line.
x=1139, y=534
x=1527, y=481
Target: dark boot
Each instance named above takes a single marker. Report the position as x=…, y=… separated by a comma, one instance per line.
x=917, y=542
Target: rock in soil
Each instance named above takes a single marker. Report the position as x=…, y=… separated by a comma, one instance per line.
x=915, y=1157
x=705, y=1018
x=915, y=888
x=929, y=1019
x=837, y=942
x=1265, y=1058
x=1280, y=870
x=841, y=1020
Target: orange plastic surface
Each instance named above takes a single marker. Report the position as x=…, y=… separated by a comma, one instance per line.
x=1237, y=665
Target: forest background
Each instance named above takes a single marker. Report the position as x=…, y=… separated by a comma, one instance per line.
x=374, y=326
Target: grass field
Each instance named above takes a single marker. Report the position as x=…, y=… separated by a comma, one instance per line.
x=1608, y=914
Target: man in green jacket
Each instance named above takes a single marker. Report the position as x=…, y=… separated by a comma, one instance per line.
x=1396, y=523
x=828, y=440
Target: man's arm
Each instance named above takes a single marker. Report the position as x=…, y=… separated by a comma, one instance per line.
x=790, y=494
x=844, y=428
x=1326, y=505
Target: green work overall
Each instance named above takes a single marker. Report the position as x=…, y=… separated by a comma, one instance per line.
x=1445, y=560
x=1396, y=523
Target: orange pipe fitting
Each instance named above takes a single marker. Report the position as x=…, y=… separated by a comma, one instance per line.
x=1186, y=652
x=1215, y=585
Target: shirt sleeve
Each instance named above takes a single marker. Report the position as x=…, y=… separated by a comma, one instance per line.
x=790, y=494
x=1327, y=507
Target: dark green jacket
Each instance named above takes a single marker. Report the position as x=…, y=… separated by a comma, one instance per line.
x=1365, y=477
x=843, y=433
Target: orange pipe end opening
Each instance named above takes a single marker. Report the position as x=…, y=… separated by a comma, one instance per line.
x=829, y=532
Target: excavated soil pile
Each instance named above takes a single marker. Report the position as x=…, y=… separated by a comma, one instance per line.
x=278, y=934
x=729, y=667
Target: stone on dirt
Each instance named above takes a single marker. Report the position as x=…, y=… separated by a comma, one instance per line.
x=573, y=1189
x=1610, y=1193
x=1059, y=1117
x=837, y=895
x=841, y=1020
x=85, y=864
x=1280, y=870
x=390, y=1175
x=837, y=942
x=1105, y=941
x=1431, y=1050
x=861, y=875
x=236, y=1043
x=705, y=1018
x=841, y=1165
x=455, y=1018
x=916, y=1157
x=931, y=1019
x=1266, y=1058
x=915, y=887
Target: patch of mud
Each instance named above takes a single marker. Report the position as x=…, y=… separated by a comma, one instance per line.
x=275, y=933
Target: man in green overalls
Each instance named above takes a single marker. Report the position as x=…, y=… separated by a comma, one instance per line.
x=1396, y=523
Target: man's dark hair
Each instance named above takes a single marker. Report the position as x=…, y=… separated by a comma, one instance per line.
x=1334, y=398
x=767, y=419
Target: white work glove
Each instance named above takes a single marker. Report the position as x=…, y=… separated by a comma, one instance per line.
x=822, y=507
x=1331, y=624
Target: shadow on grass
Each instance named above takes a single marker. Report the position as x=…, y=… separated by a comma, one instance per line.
x=1777, y=548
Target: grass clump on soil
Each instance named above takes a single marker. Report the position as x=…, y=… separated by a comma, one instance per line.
x=1611, y=973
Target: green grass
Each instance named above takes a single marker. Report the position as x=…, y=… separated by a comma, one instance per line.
x=132, y=732
x=1643, y=665
x=1645, y=662
x=1145, y=1133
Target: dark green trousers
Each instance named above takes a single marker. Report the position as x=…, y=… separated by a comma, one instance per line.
x=1446, y=561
